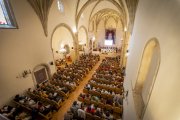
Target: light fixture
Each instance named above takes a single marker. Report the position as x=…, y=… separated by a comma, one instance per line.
x=125, y=29
x=24, y=74
x=74, y=30
x=62, y=50
x=60, y=6
x=81, y=43
x=82, y=15
x=127, y=53
x=93, y=38
x=62, y=45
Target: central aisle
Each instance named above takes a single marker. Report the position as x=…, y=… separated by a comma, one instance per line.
x=74, y=95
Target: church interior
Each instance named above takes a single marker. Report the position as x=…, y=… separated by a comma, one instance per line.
x=89, y=60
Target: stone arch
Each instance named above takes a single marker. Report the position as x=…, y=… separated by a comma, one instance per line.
x=146, y=77
x=84, y=28
x=75, y=42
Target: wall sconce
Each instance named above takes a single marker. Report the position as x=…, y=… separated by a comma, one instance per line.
x=74, y=29
x=125, y=29
x=24, y=74
x=127, y=53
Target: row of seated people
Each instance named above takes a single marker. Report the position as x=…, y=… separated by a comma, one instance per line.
x=64, y=84
x=59, y=62
x=48, y=96
x=102, y=92
x=98, y=78
x=83, y=110
x=109, y=49
x=90, y=56
x=40, y=102
x=109, y=70
x=106, y=85
x=63, y=90
x=106, y=81
x=14, y=113
x=51, y=93
x=116, y=77
x=106, y=96
x=75, y=72
x=115, y=101
x=35, y=106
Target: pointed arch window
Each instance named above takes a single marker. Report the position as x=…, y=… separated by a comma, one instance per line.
x=60, y=6
x=7, y=19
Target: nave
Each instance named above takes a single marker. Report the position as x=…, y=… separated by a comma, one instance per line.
x=102, y=97
x=53, y=99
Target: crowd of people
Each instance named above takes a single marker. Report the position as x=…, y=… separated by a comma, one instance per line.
x=14, y=113
x=47, y=97
x=102, y=97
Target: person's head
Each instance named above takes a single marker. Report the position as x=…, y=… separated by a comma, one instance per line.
x=92, y=106
x=39, y=103
x=75, y=103
x=107, y=113
x=89, y=108
x=37, y=86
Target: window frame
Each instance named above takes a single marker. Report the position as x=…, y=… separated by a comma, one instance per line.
x=11, y=23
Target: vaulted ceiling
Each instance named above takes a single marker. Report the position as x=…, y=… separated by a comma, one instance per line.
x=92, y=10
x=97, y=10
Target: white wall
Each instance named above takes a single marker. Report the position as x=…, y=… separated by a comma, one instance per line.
x=160, y=19
x=21, y=49
x=26, y=47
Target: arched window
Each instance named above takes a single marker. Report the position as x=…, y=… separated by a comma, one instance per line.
x=7, y=19
x=146, y=76
x=60, y=6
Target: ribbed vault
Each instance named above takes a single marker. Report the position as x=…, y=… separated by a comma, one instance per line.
x=105, y=15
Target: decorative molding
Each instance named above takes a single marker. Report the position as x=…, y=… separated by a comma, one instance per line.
x=42, y=8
